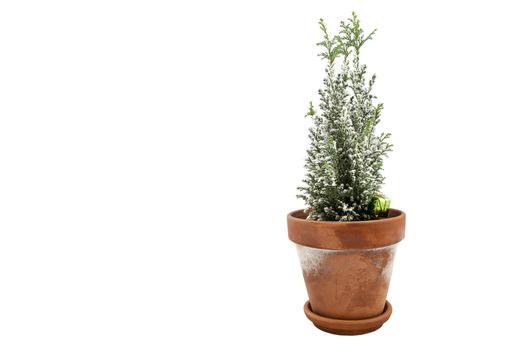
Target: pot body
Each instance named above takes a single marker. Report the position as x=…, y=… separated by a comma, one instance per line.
x=347, y=265
x=347, y=283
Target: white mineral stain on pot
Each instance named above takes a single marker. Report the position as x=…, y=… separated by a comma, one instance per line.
x=311, y=259
x=387, y=270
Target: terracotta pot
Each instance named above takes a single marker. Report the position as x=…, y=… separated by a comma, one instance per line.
x=347, y=268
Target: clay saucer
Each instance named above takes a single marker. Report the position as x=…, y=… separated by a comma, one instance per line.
x=348, y=327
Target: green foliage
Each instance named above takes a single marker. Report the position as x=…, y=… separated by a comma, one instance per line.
x=345, y=157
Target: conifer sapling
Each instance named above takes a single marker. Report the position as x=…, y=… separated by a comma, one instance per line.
x=345, y=157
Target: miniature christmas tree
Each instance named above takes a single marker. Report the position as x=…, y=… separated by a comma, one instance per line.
x=345, y=158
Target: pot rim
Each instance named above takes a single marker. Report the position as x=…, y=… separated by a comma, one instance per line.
x=346, y=234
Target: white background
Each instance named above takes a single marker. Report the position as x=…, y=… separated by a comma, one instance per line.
x=150, y=151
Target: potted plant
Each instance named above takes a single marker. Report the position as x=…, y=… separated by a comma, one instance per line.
x=346, y=237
